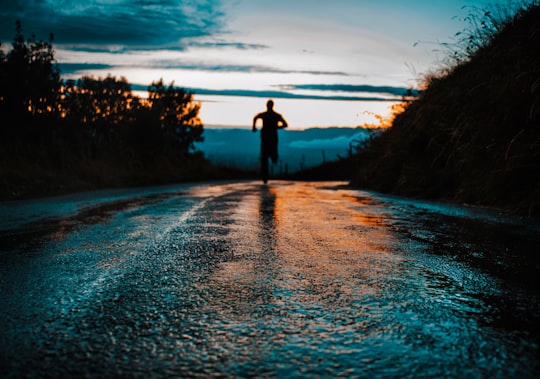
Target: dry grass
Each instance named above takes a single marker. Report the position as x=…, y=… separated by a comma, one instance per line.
x=474, y=134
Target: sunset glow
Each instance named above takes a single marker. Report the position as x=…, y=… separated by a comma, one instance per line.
x=300, y=113
x=325, y=63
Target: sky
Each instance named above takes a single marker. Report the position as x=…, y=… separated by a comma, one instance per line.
x=325, y=63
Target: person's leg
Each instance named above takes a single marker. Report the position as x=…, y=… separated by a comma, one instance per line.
x=273, y=155
x=264, y=168
x=273, y=152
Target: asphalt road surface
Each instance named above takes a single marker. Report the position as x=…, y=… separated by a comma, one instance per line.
x=286, y=280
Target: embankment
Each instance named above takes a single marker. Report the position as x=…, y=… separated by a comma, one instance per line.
x=473, y=136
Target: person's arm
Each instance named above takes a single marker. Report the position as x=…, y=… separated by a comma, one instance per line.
x=255, y=122
x=283, y=123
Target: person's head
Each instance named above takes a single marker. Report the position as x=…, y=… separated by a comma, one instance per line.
x=270, y=104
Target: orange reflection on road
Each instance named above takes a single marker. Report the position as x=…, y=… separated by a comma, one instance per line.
x=327, y=243
x=309, y=244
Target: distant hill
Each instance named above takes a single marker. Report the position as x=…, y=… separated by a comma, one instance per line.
x=473, y=135
x=298, y=149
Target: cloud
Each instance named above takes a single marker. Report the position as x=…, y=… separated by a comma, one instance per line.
x=350, y=88
x=198, y=66
x=269, y=94
x=225, y=44
x=123, y=22
x=131, y=26
x=275, y=94
x=204, y=66
x=72, y=68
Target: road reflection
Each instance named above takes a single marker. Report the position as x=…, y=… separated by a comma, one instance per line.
x=334, y=278
x=243, y=284
x=329, y=247
x=292, y=279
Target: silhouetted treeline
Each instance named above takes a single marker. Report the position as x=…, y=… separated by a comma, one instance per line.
x=94, y=131
x=474, y=134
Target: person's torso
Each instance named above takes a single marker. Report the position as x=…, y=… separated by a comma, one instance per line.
x=270, y=120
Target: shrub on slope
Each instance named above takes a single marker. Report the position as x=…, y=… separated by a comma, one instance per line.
x=474, y=134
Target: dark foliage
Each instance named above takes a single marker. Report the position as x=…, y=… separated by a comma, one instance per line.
x=473, y=135
x=93, y=132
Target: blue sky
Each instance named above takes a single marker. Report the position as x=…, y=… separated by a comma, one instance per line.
x=326, y=63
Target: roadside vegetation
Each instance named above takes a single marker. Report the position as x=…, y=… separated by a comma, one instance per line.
x=65, y=135
x=473, y=134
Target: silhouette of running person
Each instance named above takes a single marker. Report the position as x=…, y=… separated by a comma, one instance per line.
x=271, y=122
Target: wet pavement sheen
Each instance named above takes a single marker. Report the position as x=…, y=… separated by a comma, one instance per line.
x=287, y=280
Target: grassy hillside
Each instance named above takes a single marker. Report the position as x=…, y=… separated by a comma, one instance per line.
x=473, y=135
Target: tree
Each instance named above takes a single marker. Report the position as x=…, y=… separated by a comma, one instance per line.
x=100, y=105
x=30, y=80
x=178, y=114
x=94, y=129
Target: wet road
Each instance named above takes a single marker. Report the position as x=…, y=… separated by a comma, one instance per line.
x=289, y=280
